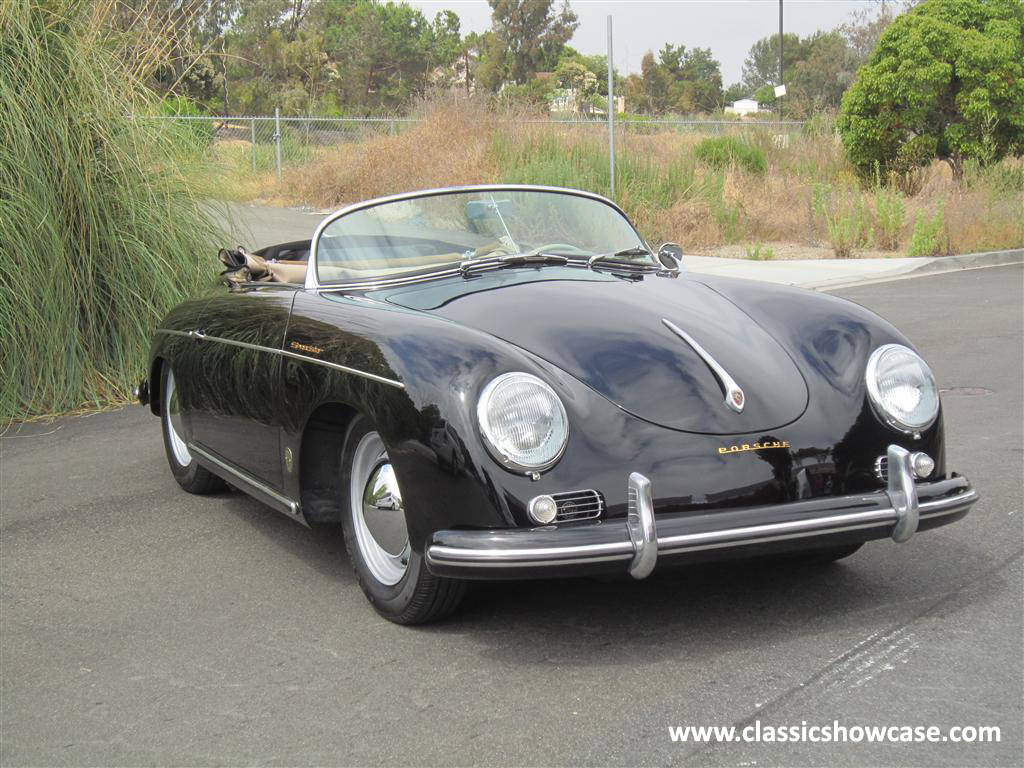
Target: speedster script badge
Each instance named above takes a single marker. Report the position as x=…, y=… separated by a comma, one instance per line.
x=767, y=445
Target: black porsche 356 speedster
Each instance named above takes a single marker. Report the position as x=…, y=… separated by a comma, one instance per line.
x=506, y=382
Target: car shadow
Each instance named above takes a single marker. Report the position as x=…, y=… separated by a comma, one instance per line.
x=321, y=548
x=700, y=610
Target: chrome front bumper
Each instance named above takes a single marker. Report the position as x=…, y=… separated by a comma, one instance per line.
x=637, y=542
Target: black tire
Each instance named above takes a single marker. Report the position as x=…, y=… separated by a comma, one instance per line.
x=190, y=476
x=419, y=596
x=828, y=554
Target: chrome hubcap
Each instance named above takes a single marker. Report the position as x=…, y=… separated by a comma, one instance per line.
x=378, y=516
x=175, y=430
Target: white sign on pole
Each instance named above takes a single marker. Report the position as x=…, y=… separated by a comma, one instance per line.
x=780, y=90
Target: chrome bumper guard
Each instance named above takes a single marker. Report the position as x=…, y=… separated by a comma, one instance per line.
x=637, y=544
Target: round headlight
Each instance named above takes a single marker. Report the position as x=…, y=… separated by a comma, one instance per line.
x=522, y=421
x=902, y=388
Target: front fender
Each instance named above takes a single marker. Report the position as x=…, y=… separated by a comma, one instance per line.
x=451, y=482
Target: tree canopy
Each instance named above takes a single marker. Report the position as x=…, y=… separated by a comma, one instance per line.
x=679, y=80
x=945, y=81
x=818, y=68
x=529, y=36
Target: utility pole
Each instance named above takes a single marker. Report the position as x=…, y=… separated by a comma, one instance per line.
x=611, y=110
x=781, y=74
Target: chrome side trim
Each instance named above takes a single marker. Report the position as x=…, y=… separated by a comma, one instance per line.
x=289, y=505
x=643, y=533
x=170, y=332
x=734, y=397
x=342, y=368
x=313, y=281
x=199, y=336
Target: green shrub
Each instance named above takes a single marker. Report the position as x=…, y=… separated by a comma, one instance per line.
x=727, y=216
x=722, y=152
x=946, y=81
x=929, y=238
x=846, y=221
x=190, y=120
x=890, y=213
x=547, y=159
x=758, y=252
x=1002, y=179
x=95, y=212
x=820, y=124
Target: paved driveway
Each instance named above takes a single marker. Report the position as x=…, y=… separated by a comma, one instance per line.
x=141, y=625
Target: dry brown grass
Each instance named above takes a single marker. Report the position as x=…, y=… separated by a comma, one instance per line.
x=660, y=184
x=448, y=146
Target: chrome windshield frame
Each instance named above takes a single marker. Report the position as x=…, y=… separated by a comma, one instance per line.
x=312, y=277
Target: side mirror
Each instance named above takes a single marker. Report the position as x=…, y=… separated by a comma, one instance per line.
x=671, y=257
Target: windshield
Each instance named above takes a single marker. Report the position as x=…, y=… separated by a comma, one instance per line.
x=421, y=233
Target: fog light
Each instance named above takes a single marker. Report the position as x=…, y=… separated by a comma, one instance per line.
x=923, y=465
x=542, y=509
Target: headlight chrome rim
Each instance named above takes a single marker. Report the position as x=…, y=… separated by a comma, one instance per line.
x=876, y=398
x=484, y=423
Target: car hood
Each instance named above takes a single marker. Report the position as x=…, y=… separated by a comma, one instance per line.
x=609, y=333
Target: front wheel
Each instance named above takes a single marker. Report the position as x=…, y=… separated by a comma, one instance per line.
x=393, y=577
x=186, y=470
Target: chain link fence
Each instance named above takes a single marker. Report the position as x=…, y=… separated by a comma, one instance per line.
x=273, y=143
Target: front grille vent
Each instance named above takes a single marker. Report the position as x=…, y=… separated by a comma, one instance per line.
x=578, y=505
x=882, y=468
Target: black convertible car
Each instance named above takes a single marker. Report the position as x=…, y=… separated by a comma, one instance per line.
x=506, y=382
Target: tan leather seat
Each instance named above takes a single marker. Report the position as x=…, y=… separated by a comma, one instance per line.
x=288, y=271
x=276, y=271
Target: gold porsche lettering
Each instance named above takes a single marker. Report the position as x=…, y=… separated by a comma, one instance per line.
x=306, y=348
x=766, y=445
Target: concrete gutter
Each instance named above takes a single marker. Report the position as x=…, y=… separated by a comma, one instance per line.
x=827, y=274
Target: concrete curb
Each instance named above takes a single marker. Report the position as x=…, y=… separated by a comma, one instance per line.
x=933, y=265
x=971, y=260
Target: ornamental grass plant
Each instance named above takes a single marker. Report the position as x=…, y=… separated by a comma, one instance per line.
x=103, y=228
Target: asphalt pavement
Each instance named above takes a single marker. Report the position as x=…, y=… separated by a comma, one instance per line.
x=140, y=625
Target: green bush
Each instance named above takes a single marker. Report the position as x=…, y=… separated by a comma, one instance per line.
x=890, y=213
x=946, y=81
x=1003, y=179
x=929, y=238
x=640, y=183
x=722, y=152
x=845, y=218
x=96, y=214
x=190, y=120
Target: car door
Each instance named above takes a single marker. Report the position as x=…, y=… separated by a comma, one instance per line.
x=238, y=403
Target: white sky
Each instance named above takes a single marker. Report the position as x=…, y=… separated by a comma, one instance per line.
x=727, y=27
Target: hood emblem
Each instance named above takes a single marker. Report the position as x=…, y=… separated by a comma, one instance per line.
x=734, y=397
